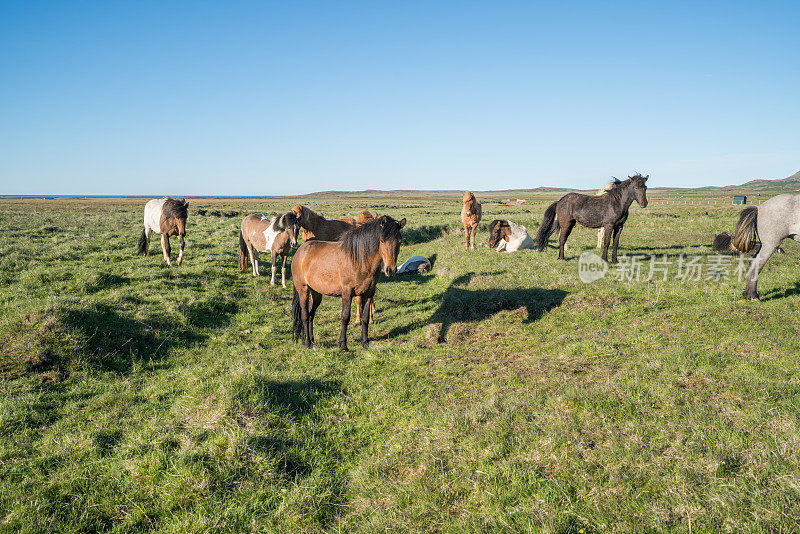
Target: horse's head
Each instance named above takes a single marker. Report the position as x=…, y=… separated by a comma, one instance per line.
x=390, y=243
x=299, y=212
x=640, y=188
x=174, y=213
x=291, y=224
x=498, y=230
x=468, y=197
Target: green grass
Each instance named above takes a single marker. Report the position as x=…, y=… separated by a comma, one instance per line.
x=499, y=392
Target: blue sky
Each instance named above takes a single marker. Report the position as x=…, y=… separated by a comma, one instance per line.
x=263, y=98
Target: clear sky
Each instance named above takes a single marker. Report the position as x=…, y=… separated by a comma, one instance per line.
x=263, y=98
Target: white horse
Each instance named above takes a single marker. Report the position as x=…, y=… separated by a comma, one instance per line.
x=772, y=222
x=509, y=237
x=166, y=216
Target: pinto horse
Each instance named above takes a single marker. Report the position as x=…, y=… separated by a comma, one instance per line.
x=166, y=216
x=608, y=211
x=276, y=236
x=347, y=268
x=470, y=217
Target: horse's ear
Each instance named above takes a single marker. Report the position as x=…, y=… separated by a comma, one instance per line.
x=646, y=177
x=383, y=220
x=402, y=222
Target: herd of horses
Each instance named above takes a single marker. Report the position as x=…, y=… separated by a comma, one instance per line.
x=345, y=257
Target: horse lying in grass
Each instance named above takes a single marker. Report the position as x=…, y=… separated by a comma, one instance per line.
x=509, y=237
x=772, y=222
x=276, y=236
x=347, y=268
x=166, y=216
x=470, y=217
x=609, y=211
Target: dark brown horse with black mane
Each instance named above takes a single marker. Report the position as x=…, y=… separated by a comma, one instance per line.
x=608, y=211
x=348, y=268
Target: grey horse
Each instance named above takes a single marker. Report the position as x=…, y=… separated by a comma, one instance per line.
x=771, y=222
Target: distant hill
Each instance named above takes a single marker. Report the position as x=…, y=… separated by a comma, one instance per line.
x=792, y=183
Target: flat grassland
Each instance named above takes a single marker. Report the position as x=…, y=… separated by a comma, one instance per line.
x=499, y=391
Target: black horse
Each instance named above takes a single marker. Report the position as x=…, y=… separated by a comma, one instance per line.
x=608, y=211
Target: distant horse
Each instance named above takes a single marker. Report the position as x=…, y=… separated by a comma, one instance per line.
x=166, y=216
x=316, y=226
x=347, y=268
x=470, y=217
x=276, y=236
x=772, y=222
x=509, y=237
x=609, y=186
x=609, y=211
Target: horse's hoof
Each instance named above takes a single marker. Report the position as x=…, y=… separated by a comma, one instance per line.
x=343, y=347
x=365, y=344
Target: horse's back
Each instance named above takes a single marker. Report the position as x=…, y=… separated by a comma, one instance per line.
x=152, y=214
x=255, y=229
x=780, y=214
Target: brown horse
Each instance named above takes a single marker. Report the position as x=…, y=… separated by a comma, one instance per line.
x=316, y=226
x=347, y=268
x=609, y=211
x=276, y=236
x=166, y=216
x=470, y=216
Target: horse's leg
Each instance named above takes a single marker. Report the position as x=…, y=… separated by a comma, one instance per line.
x=607, y=232
x=283, y=271
x=562, y=240
x=372, y=309
x=767, y=249
x=600, y=235
x=316, y=298
x=346, y=303
x=366, y=317
x=253, y=258
x=617, y=231
x=472, y=237
x=466, y=232
x=165, y=248
x=182, y=243
x=272, y=256
x=358, y=309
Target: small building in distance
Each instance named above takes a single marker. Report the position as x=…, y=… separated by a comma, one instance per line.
x=740, y=199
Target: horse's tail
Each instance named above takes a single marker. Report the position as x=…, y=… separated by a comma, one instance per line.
x=744, y=236
x=143, y=243
x=297, y=319
x=548, y=226
x=722, y=243
x=242, y=252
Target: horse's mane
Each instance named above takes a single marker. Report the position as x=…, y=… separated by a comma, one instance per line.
x=175, y=208
x=362, y=242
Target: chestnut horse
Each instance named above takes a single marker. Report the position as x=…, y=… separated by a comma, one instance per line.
x=609, y=211
x=276, y=236
x=347, y=268
x=316, y=226
x=166, y=216
x=470, y=216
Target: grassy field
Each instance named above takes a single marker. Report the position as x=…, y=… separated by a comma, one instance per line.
x=499, y=392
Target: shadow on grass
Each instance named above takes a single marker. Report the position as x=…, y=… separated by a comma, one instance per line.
x=781, y=293
x=460, y=304
x=113, y=341
x=423, y=234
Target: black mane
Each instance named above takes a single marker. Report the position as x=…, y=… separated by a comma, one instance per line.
x=362, y=242
x=175, y=208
